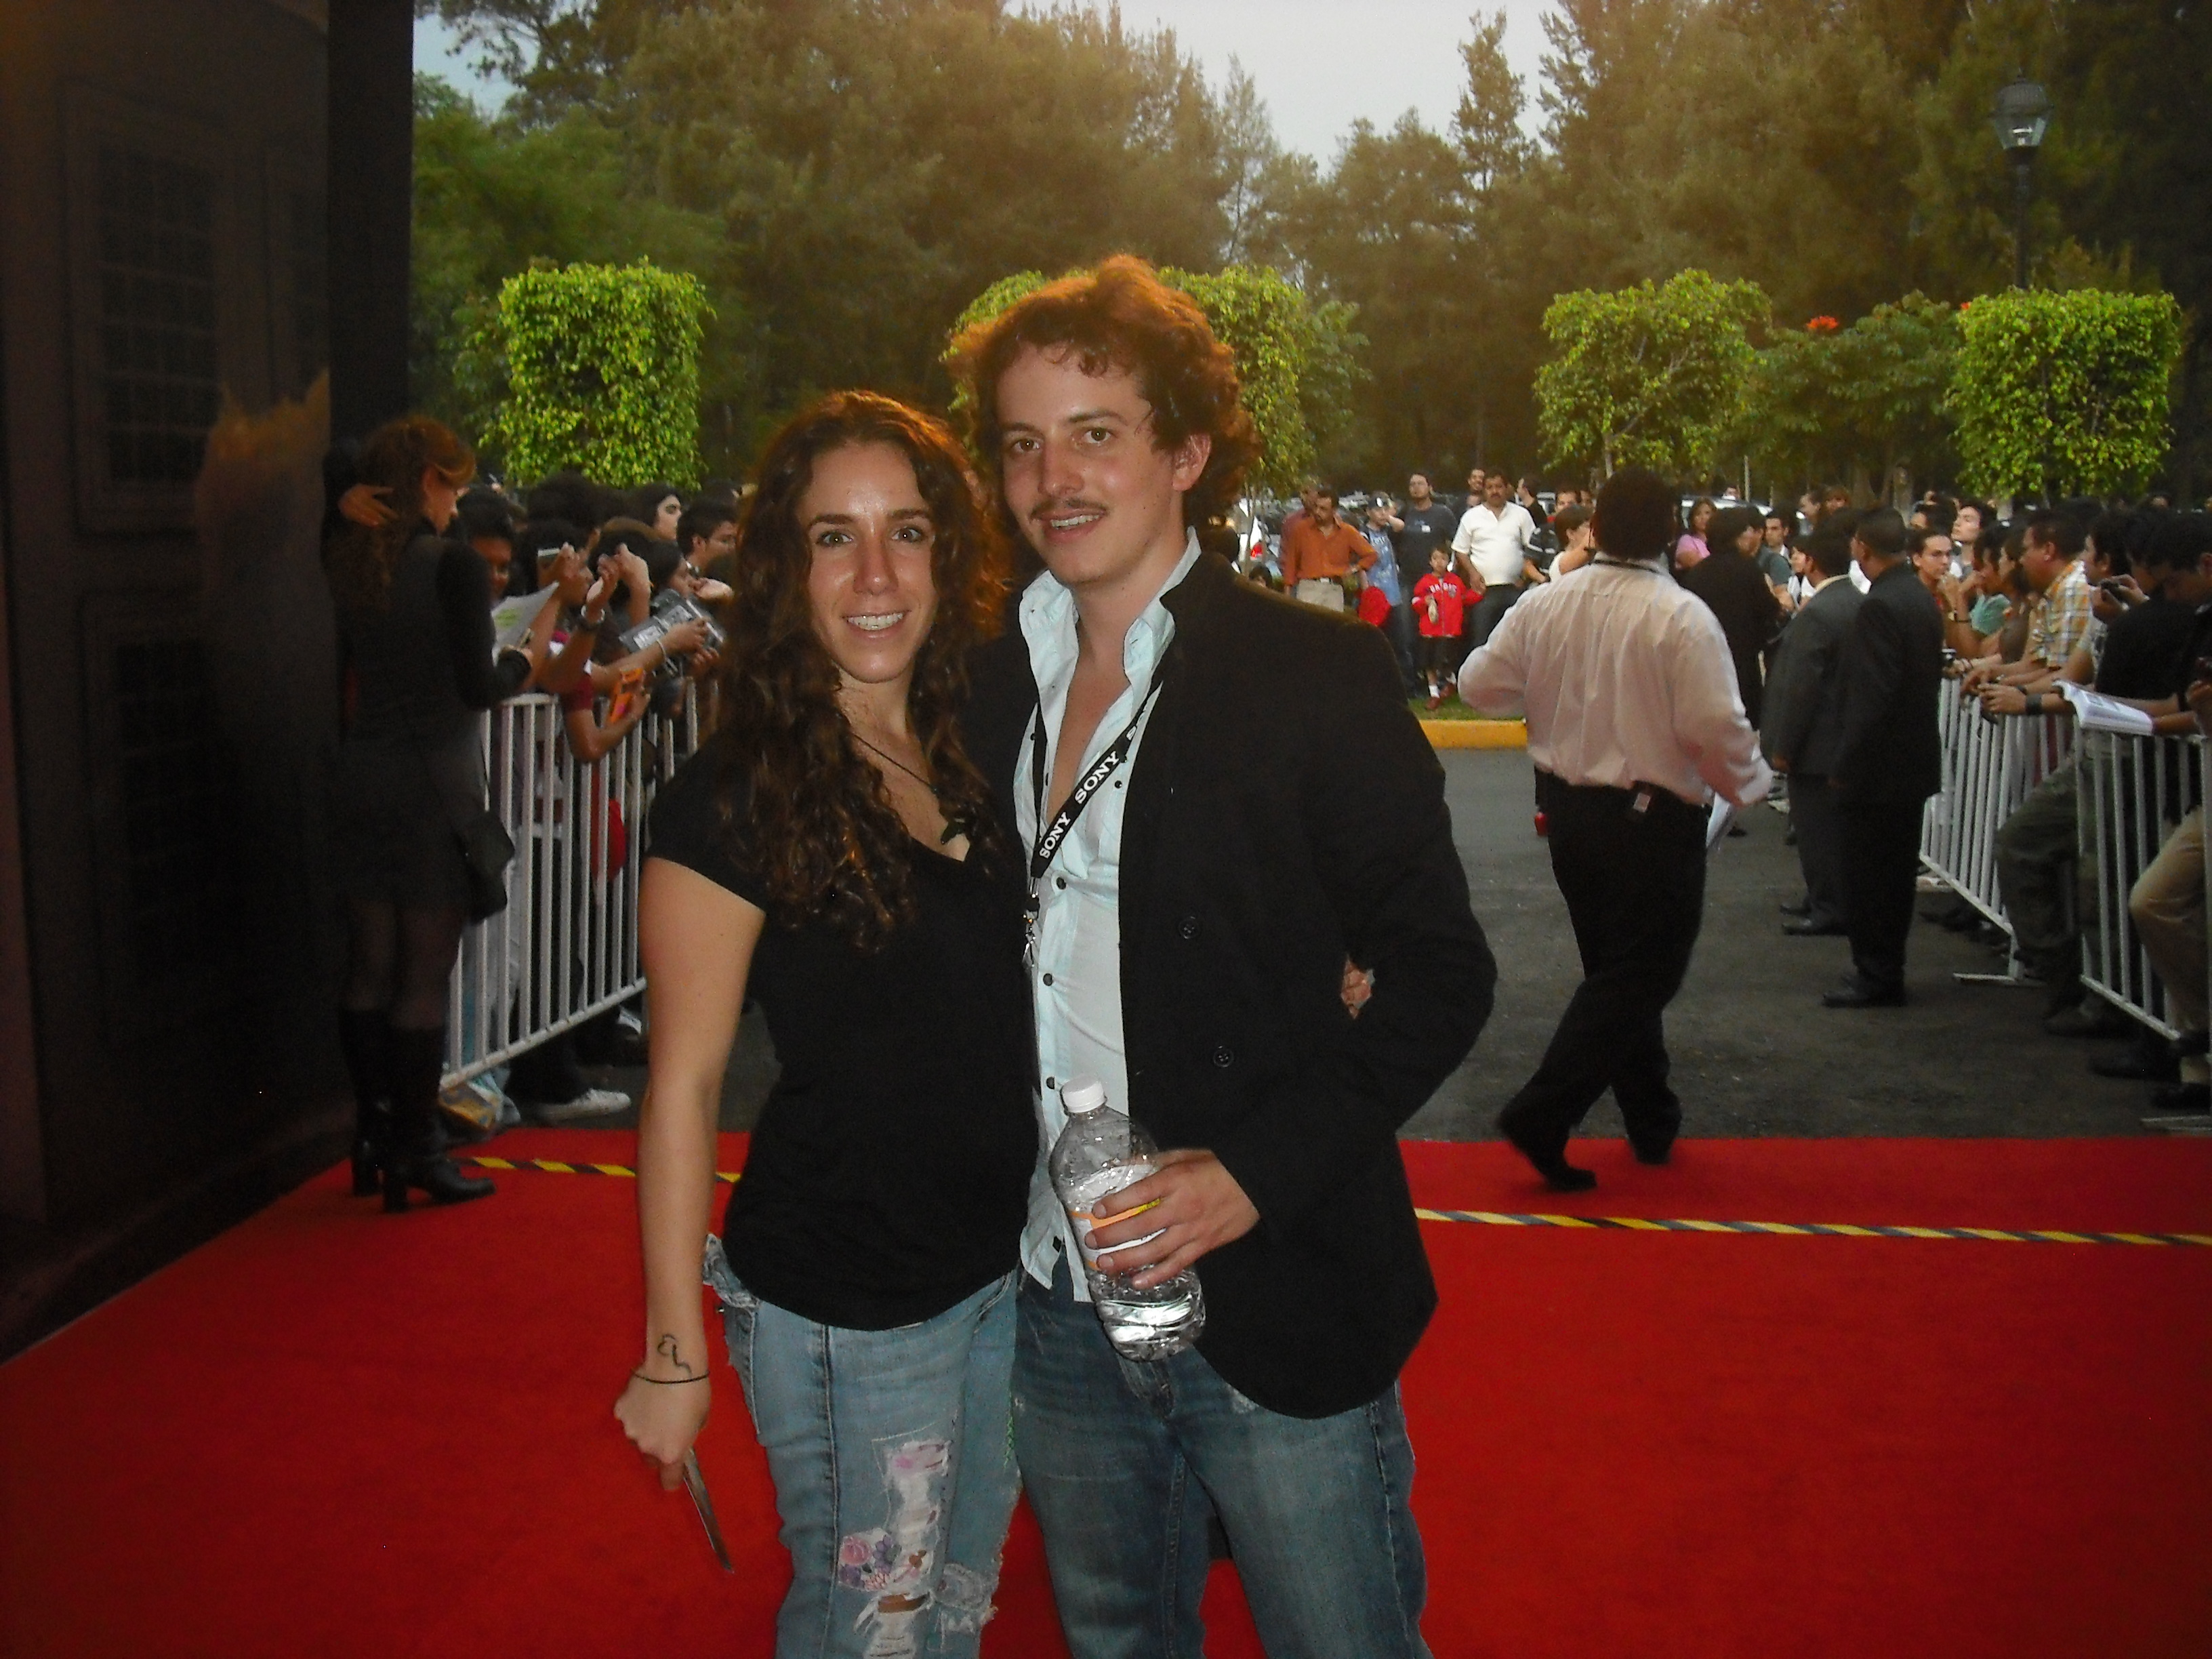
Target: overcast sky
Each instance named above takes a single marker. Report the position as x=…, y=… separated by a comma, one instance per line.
x=1320, y=64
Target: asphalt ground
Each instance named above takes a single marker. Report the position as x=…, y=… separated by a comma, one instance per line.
x=1755, y=1052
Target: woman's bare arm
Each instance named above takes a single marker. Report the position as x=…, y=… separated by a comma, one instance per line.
x=696, y=941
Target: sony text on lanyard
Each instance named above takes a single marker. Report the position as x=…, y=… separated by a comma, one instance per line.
x=1051, y=836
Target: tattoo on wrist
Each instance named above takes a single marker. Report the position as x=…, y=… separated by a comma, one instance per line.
x=667, y=1349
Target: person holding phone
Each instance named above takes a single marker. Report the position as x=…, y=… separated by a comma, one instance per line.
x=833, y=853
x=414, y=620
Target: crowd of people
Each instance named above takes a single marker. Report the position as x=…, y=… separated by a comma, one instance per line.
x=2098, y=594
x=422, y=566
x=1010, y=789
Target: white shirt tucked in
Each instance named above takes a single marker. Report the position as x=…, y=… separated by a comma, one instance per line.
x=1076, y=981
x=1496, y=543
x=1625, y=679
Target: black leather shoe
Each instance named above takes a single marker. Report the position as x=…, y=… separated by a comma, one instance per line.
x=1650, y=1147
x=2177, y=1099
x=1808, y=927
x=2137, y=1064
x=371, y=1130
x=1857, y=994
x=1560, y=1175
x=434, y=1174
x=2082, y=1021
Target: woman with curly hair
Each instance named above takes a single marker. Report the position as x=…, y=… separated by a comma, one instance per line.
x=832, y=853
x=414, y=622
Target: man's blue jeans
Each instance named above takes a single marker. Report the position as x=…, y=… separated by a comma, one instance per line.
x=1124, y=1461
x=894, y=1469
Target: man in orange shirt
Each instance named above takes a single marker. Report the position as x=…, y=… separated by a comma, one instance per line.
x=1318, y=549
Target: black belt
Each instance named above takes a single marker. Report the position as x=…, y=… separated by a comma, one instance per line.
x=1636, y=799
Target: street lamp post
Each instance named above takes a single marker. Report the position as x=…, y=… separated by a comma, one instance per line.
x=2021, y=115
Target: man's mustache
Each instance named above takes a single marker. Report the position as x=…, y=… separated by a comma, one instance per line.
x=1045, y=510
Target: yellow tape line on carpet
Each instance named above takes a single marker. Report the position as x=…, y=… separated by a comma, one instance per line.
x=1622, y=1223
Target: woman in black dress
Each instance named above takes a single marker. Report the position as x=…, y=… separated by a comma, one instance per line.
x=831, y=852
x=415, y=633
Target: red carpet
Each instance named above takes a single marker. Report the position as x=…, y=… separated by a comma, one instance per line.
x=330, y=1432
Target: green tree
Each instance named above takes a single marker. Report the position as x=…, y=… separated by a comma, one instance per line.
x=2119, y=182
x=596, y=367
x=2064, y=394
x=1290, y=354
x=1651, y=375
x=1827, y=402
x=492, y=196
x=1487, y=124
x=1388, y=234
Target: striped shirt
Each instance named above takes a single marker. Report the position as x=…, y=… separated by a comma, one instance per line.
x=2061, y=619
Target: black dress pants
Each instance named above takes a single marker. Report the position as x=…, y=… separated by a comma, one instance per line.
x=1881, y=862
x=1816, y=812
x=1634, y=881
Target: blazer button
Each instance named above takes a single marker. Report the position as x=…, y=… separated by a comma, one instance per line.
x=1189, y=927
x=1223, y=1058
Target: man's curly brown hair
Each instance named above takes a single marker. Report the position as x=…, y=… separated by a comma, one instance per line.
x=821, y=827
x=1119, y=316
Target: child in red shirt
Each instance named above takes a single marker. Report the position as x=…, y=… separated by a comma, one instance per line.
x=1439, y=601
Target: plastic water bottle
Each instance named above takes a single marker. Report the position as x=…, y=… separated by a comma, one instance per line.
x=1098, y=1153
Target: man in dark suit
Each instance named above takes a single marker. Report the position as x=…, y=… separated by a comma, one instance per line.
x=1804, y=730
x=1283, y=816
x=1889, y=761
x=1735, y=590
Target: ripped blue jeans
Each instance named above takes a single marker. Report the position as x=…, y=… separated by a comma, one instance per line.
x=892, y=1453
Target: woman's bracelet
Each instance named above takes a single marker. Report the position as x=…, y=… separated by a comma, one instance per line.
x=668, y=1381
x=588, y=620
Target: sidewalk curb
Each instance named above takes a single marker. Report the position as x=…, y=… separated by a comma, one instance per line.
x=1477, y=734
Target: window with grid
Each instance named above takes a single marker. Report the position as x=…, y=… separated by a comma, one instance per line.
x=158, y=380
x=173, y=782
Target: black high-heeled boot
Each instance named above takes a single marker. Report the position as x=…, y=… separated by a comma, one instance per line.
x=416, y=1156
x=364, y=1037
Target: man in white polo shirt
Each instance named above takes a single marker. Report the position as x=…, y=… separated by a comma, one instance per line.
x=1493, y=545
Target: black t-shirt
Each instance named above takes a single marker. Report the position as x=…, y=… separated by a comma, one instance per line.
x=2197, y=644
x=888, y=1174
x=1427, y=528
x=2145, y=647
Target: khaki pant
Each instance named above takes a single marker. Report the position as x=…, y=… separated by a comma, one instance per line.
x=2167, y=903
x=1322, y=591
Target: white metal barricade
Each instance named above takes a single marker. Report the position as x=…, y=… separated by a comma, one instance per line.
x=1989, y=767
x=2133, y=791
x=565, y=948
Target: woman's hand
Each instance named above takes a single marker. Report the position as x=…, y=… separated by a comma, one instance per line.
x=687, y=635
x=1358, y=986
x=663, y=1420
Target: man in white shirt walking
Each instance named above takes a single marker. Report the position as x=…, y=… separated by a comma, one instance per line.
x=1495, y=546
x=1634, y=723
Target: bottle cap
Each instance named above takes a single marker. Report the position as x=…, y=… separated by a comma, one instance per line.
x=1083, y=1094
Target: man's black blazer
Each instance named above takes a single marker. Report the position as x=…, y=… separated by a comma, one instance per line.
x=1735, y=590
x=1892, y=752
x=1804, y=726
x=1284, y=812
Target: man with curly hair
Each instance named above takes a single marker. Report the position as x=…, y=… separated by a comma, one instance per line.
x=1276, y=817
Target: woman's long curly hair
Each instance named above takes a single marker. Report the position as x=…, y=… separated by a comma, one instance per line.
x=821, y=827
x=379, y=512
